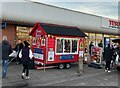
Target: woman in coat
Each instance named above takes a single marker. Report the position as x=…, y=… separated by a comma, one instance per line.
x=108, y=57
x=25, y=55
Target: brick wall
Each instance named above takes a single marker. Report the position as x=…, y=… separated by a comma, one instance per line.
x=10, y=32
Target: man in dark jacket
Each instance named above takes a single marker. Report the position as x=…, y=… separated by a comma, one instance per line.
x=108, y=57
x=119, y=50
x=100, y=44
x=90, y=46
x=6, y=50
x=18, y=47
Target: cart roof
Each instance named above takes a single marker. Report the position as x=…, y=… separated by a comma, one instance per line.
x=61, y=30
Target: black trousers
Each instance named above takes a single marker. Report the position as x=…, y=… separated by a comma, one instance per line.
x=107, y=67
x=26, y=68
x=19, y=59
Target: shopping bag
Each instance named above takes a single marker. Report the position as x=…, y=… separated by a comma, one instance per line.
x=13, y=54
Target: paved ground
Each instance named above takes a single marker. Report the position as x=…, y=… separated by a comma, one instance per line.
x=64, y=77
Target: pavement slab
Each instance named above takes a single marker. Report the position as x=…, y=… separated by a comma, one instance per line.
x=57, y=77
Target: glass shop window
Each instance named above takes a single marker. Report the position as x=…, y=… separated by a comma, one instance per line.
x=74, y=46
x=67, y=46
x=59, y=45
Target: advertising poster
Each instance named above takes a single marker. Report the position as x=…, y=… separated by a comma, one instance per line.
x=81, y=53
x=50, y=55
x=96, y=53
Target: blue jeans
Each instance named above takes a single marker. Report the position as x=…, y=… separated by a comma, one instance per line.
x=0, y=62
x=4, y=69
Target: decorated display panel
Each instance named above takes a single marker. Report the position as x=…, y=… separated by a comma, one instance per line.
x=81, y=48
x=96, y=53
x=38, y=39
x=51, y=48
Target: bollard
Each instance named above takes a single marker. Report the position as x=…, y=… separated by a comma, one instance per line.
x=80, y=66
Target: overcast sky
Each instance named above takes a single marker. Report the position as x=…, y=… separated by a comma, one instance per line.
x=109, y=8
x=105, y=8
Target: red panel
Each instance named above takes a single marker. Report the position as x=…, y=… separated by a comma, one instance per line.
x=51, y=43
x=81, y=44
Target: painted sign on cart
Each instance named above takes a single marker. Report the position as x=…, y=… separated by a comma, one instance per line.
x=38, y=53
x=66, y=57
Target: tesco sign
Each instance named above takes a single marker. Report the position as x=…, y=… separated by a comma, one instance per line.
x=110, y=23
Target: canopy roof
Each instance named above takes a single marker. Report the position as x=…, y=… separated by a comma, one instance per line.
x=61, y=30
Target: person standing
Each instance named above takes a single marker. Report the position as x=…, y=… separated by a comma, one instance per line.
x=90, y=46
x=18, y=47
x=119, y=50
x=6, y=50
x=25, y=55
x=100, y=44
x=108, y=57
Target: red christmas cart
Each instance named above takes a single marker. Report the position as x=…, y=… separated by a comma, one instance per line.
x=56, y=44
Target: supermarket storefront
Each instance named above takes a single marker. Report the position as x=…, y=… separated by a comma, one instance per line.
x=22, y=33
x=96, y=28
x=108, y=24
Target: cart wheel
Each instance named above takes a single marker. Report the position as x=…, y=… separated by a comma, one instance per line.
x=67, y=65
x=61, y=66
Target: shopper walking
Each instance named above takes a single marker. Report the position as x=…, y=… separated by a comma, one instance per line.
x=25, y=55
x=115, y=51
x=6, y=50
x=18, y=47
x=108, y=57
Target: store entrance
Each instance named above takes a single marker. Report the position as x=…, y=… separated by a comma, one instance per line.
x=98, y=42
